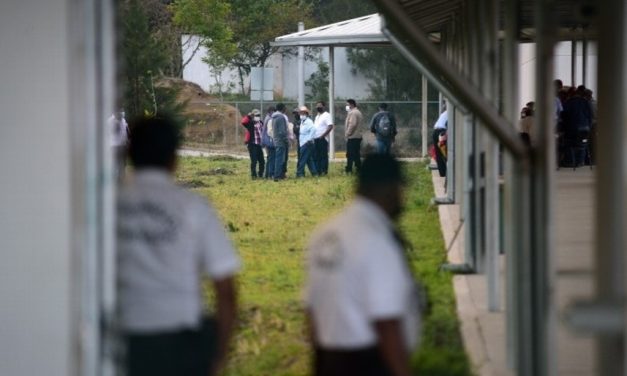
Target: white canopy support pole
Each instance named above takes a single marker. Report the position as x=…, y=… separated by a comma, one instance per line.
x=584, y=61
x=331, y=101
x=573, y=63
x=301, y=70
x=424, y=120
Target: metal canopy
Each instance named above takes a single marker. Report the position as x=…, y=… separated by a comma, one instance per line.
x=364, y=30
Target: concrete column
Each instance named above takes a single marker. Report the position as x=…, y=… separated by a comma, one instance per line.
x=424, y=117
x=301, y=70
x=611, y=177
x=332, y=101
x=541, y=280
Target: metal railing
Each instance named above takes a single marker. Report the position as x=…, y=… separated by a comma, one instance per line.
x=219, y=128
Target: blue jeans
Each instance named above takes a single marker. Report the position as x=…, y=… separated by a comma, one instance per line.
x=271, y=151
x=279, y=162
x=306, y=158
x=384, y=146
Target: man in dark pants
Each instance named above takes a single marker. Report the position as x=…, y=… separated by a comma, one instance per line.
x=324, y=125
x=168, y=240
x=438, y=129
x=361, y=302
x=280, y=135
x=353, y=129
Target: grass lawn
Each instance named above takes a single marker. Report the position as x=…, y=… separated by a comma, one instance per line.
x=270, y=224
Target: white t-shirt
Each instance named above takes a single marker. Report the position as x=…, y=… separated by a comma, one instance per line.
x=357, y=275
x=168, y=238
x=442, y=121
x=322, y=122
x=118, y=131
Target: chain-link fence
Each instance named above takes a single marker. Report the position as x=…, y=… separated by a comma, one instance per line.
x=217, y=127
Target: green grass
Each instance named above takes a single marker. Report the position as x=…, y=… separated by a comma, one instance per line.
x=270, y=224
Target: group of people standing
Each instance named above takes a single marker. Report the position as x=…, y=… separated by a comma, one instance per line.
x=361, y=301
x=275, y=133
x=575, y=119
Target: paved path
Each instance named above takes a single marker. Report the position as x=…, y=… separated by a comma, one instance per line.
x=483, y=331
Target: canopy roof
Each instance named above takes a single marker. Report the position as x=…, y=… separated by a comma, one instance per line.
x=364, y=30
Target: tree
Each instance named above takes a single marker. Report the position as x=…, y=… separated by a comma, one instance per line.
x=318, y=83
x=144, y=58
x=252, y=24
x=391, y=75
x=330, y=11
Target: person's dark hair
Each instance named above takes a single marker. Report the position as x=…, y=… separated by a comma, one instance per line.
x=322, y=103
x=154, y=141
x=558, y=84
x=581, y=90
x=377, y=170
x=383, y=106
x=352, y=102
x=270, y=109
x=280, y=107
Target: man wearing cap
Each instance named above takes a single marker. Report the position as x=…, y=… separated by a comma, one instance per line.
x=254, y=127
x=352, y=133
x=360, y=297
x=306, y=144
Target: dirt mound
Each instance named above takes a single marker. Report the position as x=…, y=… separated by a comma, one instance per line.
x=210, y=122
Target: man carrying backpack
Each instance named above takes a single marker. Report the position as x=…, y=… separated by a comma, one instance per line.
x=383, y=125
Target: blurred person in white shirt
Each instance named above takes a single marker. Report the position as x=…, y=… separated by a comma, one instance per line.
x=168, y=240
x=361, y=299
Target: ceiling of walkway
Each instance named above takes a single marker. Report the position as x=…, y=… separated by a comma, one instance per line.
x=573, y=16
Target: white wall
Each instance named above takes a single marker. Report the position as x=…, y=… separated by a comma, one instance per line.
x=562, y=68
x=347, y=85
x=35, y=202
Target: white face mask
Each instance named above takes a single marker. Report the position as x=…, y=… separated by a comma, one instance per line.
x=303, y=117
x=257, y=118
x=348, y=108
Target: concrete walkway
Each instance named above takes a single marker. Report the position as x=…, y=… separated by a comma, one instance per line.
x=484, y=332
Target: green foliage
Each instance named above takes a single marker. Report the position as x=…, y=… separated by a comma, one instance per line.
x=144, y=57
x=318, y=83
x=238, y=32
x=330, y=11
x=393, y=78
x=270, y=224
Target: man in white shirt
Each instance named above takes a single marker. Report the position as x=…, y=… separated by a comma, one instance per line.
x=324, y=125
x=169, y=239
x=118, y=137
x=360, y=297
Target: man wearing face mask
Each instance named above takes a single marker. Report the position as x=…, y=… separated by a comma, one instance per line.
x=254, y=127
x=324, y=125
x=354, y=120
x=306, y=143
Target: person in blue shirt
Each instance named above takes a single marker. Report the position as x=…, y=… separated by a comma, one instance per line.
x=306, y=144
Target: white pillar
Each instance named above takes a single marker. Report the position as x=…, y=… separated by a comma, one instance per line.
x=424, y=120
x=331, y=101
x=301, y=70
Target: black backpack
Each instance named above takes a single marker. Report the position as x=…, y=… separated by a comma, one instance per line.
x=384, y=126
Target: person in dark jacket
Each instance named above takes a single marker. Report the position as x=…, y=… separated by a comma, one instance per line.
x=254, y=126
x=576, y=121
x=280, y=135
